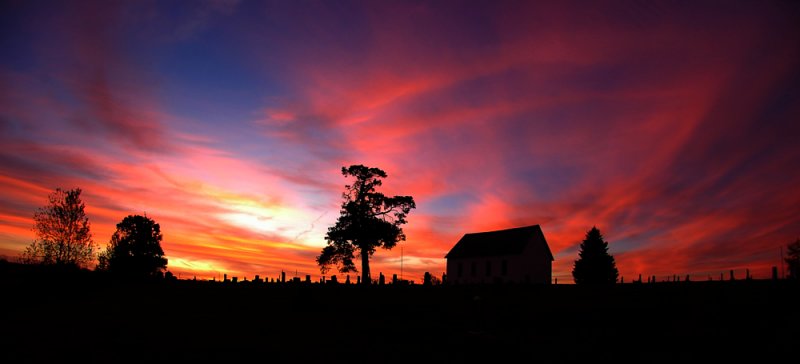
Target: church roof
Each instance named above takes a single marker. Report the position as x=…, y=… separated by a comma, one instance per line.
x=500, y=242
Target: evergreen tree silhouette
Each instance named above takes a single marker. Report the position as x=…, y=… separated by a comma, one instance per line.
x=595, y=265
x=793, y=259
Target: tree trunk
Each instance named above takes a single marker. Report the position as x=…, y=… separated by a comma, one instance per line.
x=365, y=277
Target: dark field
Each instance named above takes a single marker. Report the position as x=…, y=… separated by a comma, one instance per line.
x=88, y=318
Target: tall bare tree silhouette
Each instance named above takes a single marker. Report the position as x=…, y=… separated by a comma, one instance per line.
x=63, y=235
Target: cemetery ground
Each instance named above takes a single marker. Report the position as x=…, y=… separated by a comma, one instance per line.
x=87, y=318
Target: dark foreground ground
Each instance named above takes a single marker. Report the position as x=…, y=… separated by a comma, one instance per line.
x=84, y=318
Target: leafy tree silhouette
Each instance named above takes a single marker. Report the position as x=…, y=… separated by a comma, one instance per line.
x=135, y=249
x=368, y=220
x=595, y=265
x=63, y=235
x=793, y=259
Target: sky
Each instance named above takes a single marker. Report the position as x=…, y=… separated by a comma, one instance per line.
x=673, y=127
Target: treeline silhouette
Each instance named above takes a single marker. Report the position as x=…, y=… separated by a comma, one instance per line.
x=64, y=241
x=368, y=220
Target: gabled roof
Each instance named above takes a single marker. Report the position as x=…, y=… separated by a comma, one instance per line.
x=500, y=242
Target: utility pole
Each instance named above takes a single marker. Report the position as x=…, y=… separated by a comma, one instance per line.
x=401, y=262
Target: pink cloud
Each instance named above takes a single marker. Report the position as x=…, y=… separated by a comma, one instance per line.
x=622, y=157
x=667, y=128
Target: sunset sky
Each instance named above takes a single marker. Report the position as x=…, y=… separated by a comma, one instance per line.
x=672, y=127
